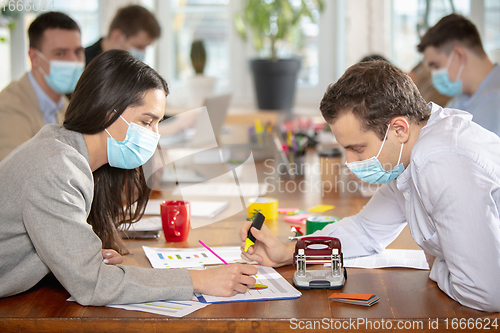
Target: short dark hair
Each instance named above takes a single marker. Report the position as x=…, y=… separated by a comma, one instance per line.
x=132, y=19
x=49, y=20
x=372, y=57
x=375, y=92
x=110, y=83
x=450, y=29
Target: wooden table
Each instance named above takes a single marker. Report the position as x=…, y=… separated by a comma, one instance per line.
x=408, y=298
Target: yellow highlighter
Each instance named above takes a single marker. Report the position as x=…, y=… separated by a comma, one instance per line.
x=258, y=221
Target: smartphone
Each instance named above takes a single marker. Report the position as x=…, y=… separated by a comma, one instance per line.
x=143, y=234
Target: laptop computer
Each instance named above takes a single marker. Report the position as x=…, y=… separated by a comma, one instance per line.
x=189, y=129
x=199, y=135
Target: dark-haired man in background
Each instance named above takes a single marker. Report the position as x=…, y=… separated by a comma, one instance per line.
x=57, y=61
x=441, y=176
x=133, y=28
x=462, y=70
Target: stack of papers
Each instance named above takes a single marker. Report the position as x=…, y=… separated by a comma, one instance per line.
x=166, y=308
x=191, y=257
x=270, y=285
x=356, y=299
x=390, y=258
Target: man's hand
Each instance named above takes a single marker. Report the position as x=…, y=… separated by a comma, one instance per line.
x=267, y=250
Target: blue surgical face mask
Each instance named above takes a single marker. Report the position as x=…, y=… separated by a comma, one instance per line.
x=371, y=170
x=137, y=148
x=442, y=83
x=63, y=74
x=138, y=53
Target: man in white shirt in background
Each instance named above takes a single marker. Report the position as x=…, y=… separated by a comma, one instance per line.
x=441, y=175
x=57, y=61
x=462, y=70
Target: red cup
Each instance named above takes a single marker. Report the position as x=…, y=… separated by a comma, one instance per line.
x=176, y=220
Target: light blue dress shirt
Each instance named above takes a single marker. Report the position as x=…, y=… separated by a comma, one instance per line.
x=48, y=107
x=449, y=195
x=484, y=105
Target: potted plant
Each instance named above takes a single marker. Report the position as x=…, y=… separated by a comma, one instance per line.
x=199, y=86
x=274, y=24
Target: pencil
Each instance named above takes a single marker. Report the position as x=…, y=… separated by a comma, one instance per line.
x=215, y=254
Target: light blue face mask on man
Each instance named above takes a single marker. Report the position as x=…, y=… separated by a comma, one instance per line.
x=442, y=83
x=137, y=148
x=63, y=76
x=138, y=53
x=371, y=170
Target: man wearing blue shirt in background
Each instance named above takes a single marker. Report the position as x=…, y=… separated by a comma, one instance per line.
x=462, y=70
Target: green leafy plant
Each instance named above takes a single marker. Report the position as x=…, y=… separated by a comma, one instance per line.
x=198, y=56
x=275, y=21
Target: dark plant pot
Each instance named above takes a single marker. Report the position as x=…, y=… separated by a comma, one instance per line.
x=275, y=82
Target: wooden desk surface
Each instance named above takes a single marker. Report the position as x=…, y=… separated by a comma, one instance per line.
x=408, y=298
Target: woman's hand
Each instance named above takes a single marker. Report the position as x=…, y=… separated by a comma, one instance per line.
x=267, y=250
x=111, y=257
x=227, y=280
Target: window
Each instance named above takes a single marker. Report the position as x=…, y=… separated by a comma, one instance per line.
x=86, y=14
x=206, y=20
x=408, y=24
x=5, y=56
x=491, y=38
x=227, y=55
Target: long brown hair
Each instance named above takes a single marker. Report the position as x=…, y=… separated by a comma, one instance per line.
x=111, y=83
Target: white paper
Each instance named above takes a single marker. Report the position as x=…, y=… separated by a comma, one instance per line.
x=191, y=257
x=222, y=190
x=165, y=308
x=270, y=285
x=390, y=258
x=207, y=209
x=201, y=209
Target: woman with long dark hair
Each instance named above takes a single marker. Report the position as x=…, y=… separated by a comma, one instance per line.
x=63, y=195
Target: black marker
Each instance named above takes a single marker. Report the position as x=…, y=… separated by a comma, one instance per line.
x=258, y=221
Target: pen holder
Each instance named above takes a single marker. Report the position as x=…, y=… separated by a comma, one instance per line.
x=294, y=166
x=331, y=162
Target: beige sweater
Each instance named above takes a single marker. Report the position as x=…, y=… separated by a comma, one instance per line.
x=46, y=191
x=20, y=115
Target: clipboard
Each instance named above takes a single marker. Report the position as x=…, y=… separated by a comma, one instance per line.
x=270, y=286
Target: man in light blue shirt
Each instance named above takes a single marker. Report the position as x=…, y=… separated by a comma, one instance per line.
x=441, y=176
x=48, y=106
x=462, y=70
x=57, y=60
